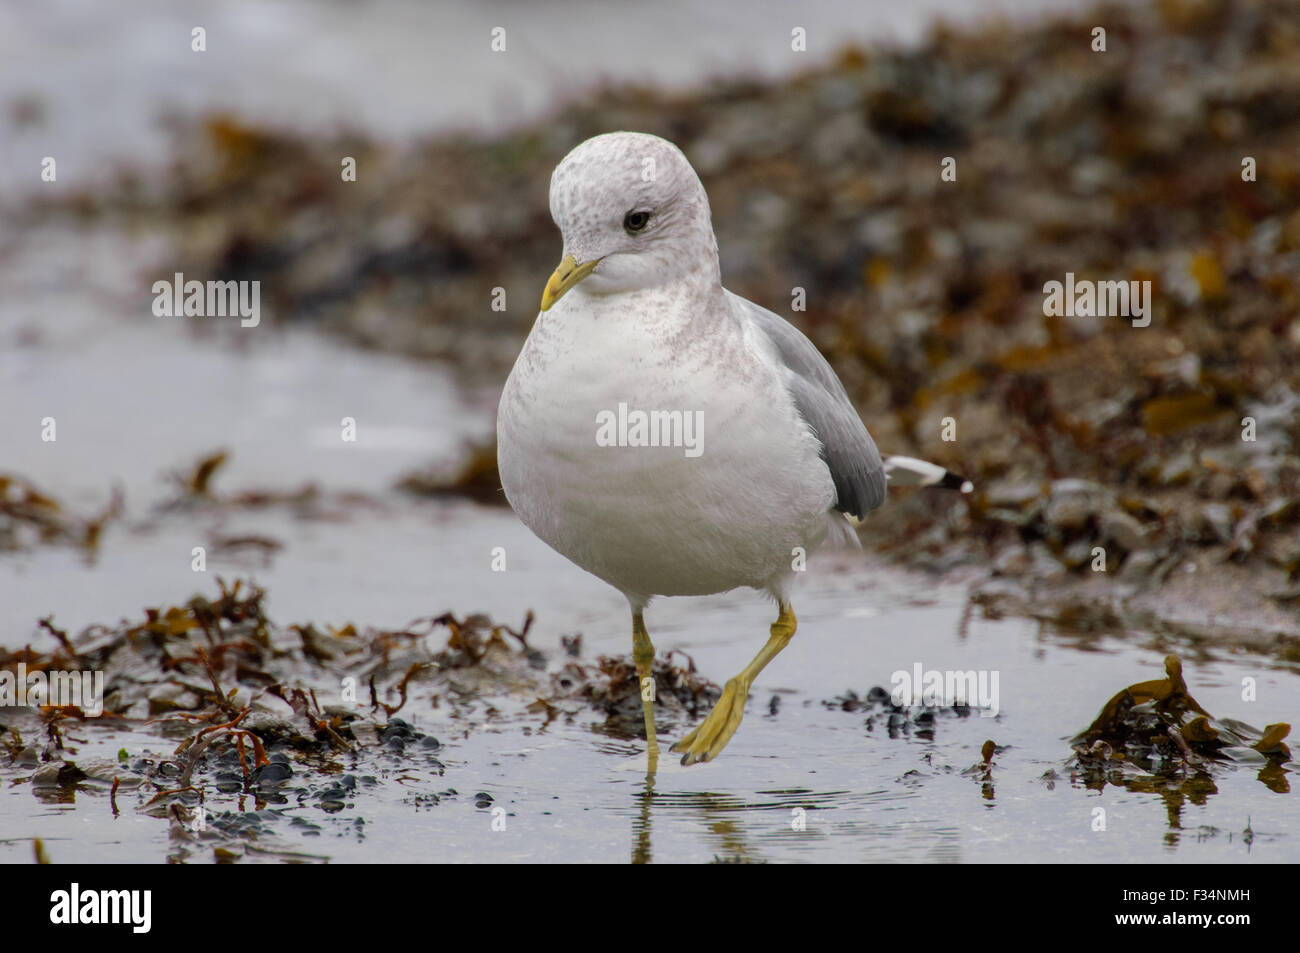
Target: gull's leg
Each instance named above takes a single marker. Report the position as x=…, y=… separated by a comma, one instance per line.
x=644, y=654
x=704, y=743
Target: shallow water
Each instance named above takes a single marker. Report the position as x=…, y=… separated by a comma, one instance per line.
x=572, y=793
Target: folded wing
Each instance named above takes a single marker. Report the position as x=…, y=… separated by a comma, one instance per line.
x=847, y=449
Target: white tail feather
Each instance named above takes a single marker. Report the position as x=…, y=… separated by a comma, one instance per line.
x=909, y=471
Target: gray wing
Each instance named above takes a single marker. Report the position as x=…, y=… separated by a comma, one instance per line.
x=847, y=448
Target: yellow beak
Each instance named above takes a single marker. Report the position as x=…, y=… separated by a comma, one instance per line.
x=568, y=274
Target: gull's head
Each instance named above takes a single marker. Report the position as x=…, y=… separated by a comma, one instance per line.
x=633, y=215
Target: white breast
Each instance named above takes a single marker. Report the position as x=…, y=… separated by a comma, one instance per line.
x=655, y=520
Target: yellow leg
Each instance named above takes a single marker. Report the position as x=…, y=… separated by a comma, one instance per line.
x=643, y=652
x=706, y=741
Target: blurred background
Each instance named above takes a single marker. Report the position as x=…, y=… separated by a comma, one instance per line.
x=820, y=131
x=821, y=153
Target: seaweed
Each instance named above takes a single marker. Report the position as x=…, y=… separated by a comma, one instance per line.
x=1158, y=727
x=209, y=702
x=30, y=517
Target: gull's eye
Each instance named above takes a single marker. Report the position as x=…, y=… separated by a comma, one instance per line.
x=635, y=221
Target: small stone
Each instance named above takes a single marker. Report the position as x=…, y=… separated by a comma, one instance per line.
x=272, y=773
x=1014, y=495
x=877, y=695
x=1073, y=503
x=1077, y=553
x=167, y=698
x=1139, y=566
x=1124, y=531
x=1177, y=469
x=1215, y=522
x=57, y=774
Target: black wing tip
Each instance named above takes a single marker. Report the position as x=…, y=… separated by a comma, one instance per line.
x=954, y=481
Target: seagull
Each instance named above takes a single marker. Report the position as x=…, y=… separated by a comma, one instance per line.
x=666, y=435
